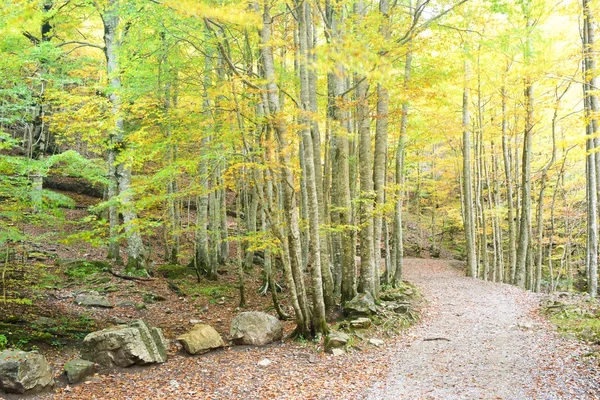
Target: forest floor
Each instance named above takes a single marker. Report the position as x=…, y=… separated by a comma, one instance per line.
x=484, y=340
x=476, y=340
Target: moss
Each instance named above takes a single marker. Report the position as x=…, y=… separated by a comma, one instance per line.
x=581, y=319
x=81, y=269
x=171, y=271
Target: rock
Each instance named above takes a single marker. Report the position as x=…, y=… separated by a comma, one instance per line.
x=22, y=372
x=399, y=307
x=255, y=328
x=201, y=339
x=335, y=340
x=361, y=323
x=140, y=306
x=376, y=342
x=264, y=363
x=150, y=297
x=118, y=321
x=195, y=321
x=77, y=370
x=361, y=304
x=126, y=304
x=392, y=295
x=174, y=384
x=337, y=352
x=45, y=322
x=125, y=345
x=92, y=299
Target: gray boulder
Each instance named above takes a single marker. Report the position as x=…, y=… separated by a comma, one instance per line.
x=77, y=370
x=92, y=299
x=22, y=372
x=361, y=304
x=336, y=340
x=255, y=328
x=361, y=323
x=200, y=339
x=125, y=345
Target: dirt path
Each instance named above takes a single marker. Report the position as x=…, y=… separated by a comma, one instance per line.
x=482, y=340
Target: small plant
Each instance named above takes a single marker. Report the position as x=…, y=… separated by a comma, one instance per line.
x=21, y=343
x=3, y=342
x=80, y=269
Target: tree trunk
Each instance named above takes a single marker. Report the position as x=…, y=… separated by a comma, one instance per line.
x=135, y=248
x=469, y=220
x=318, y=312
x=592, y=109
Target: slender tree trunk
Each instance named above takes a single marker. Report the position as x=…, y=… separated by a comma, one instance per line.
x=293, y=253
x=318, y=311
x=340, y=179
x=399, y=177
x=512, y=238
x=469, y=221
x=135, y=248
x=592, y=109
x=326, y=264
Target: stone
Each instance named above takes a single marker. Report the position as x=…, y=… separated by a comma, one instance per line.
x=255, y=328
x=201, y=339
x=150, y=297
x=118, y=320
x=361, y=304
x=92, y=299
x=376, y=342
x=399, y=307
x=337, y=352
x=24, y=372
x=264, y=363
x=336, y=340
x=126, y=304
x=195, y=321
x=125, y=345
x=45, y=322
x=77, y=370
x=361, y=323
x=392, y=295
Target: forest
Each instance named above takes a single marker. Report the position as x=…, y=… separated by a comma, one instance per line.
x=317, y=165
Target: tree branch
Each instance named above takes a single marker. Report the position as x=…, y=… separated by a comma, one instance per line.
x=81, y=44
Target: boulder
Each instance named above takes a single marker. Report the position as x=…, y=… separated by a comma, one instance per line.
x=336, y=340
x=255, y=328
x=125, y=345
x=337, y=352
x=361, y=323
x=361, y=304
x=24, y=372
x=201, y=339
x=77, y=370
x=92, y=299
x=126, y=304
x=376, y=342
x=392, y=295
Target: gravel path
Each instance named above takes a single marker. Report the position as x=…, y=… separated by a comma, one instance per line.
x=483, y=340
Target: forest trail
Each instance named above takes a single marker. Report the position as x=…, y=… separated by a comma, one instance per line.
x=483, y=340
